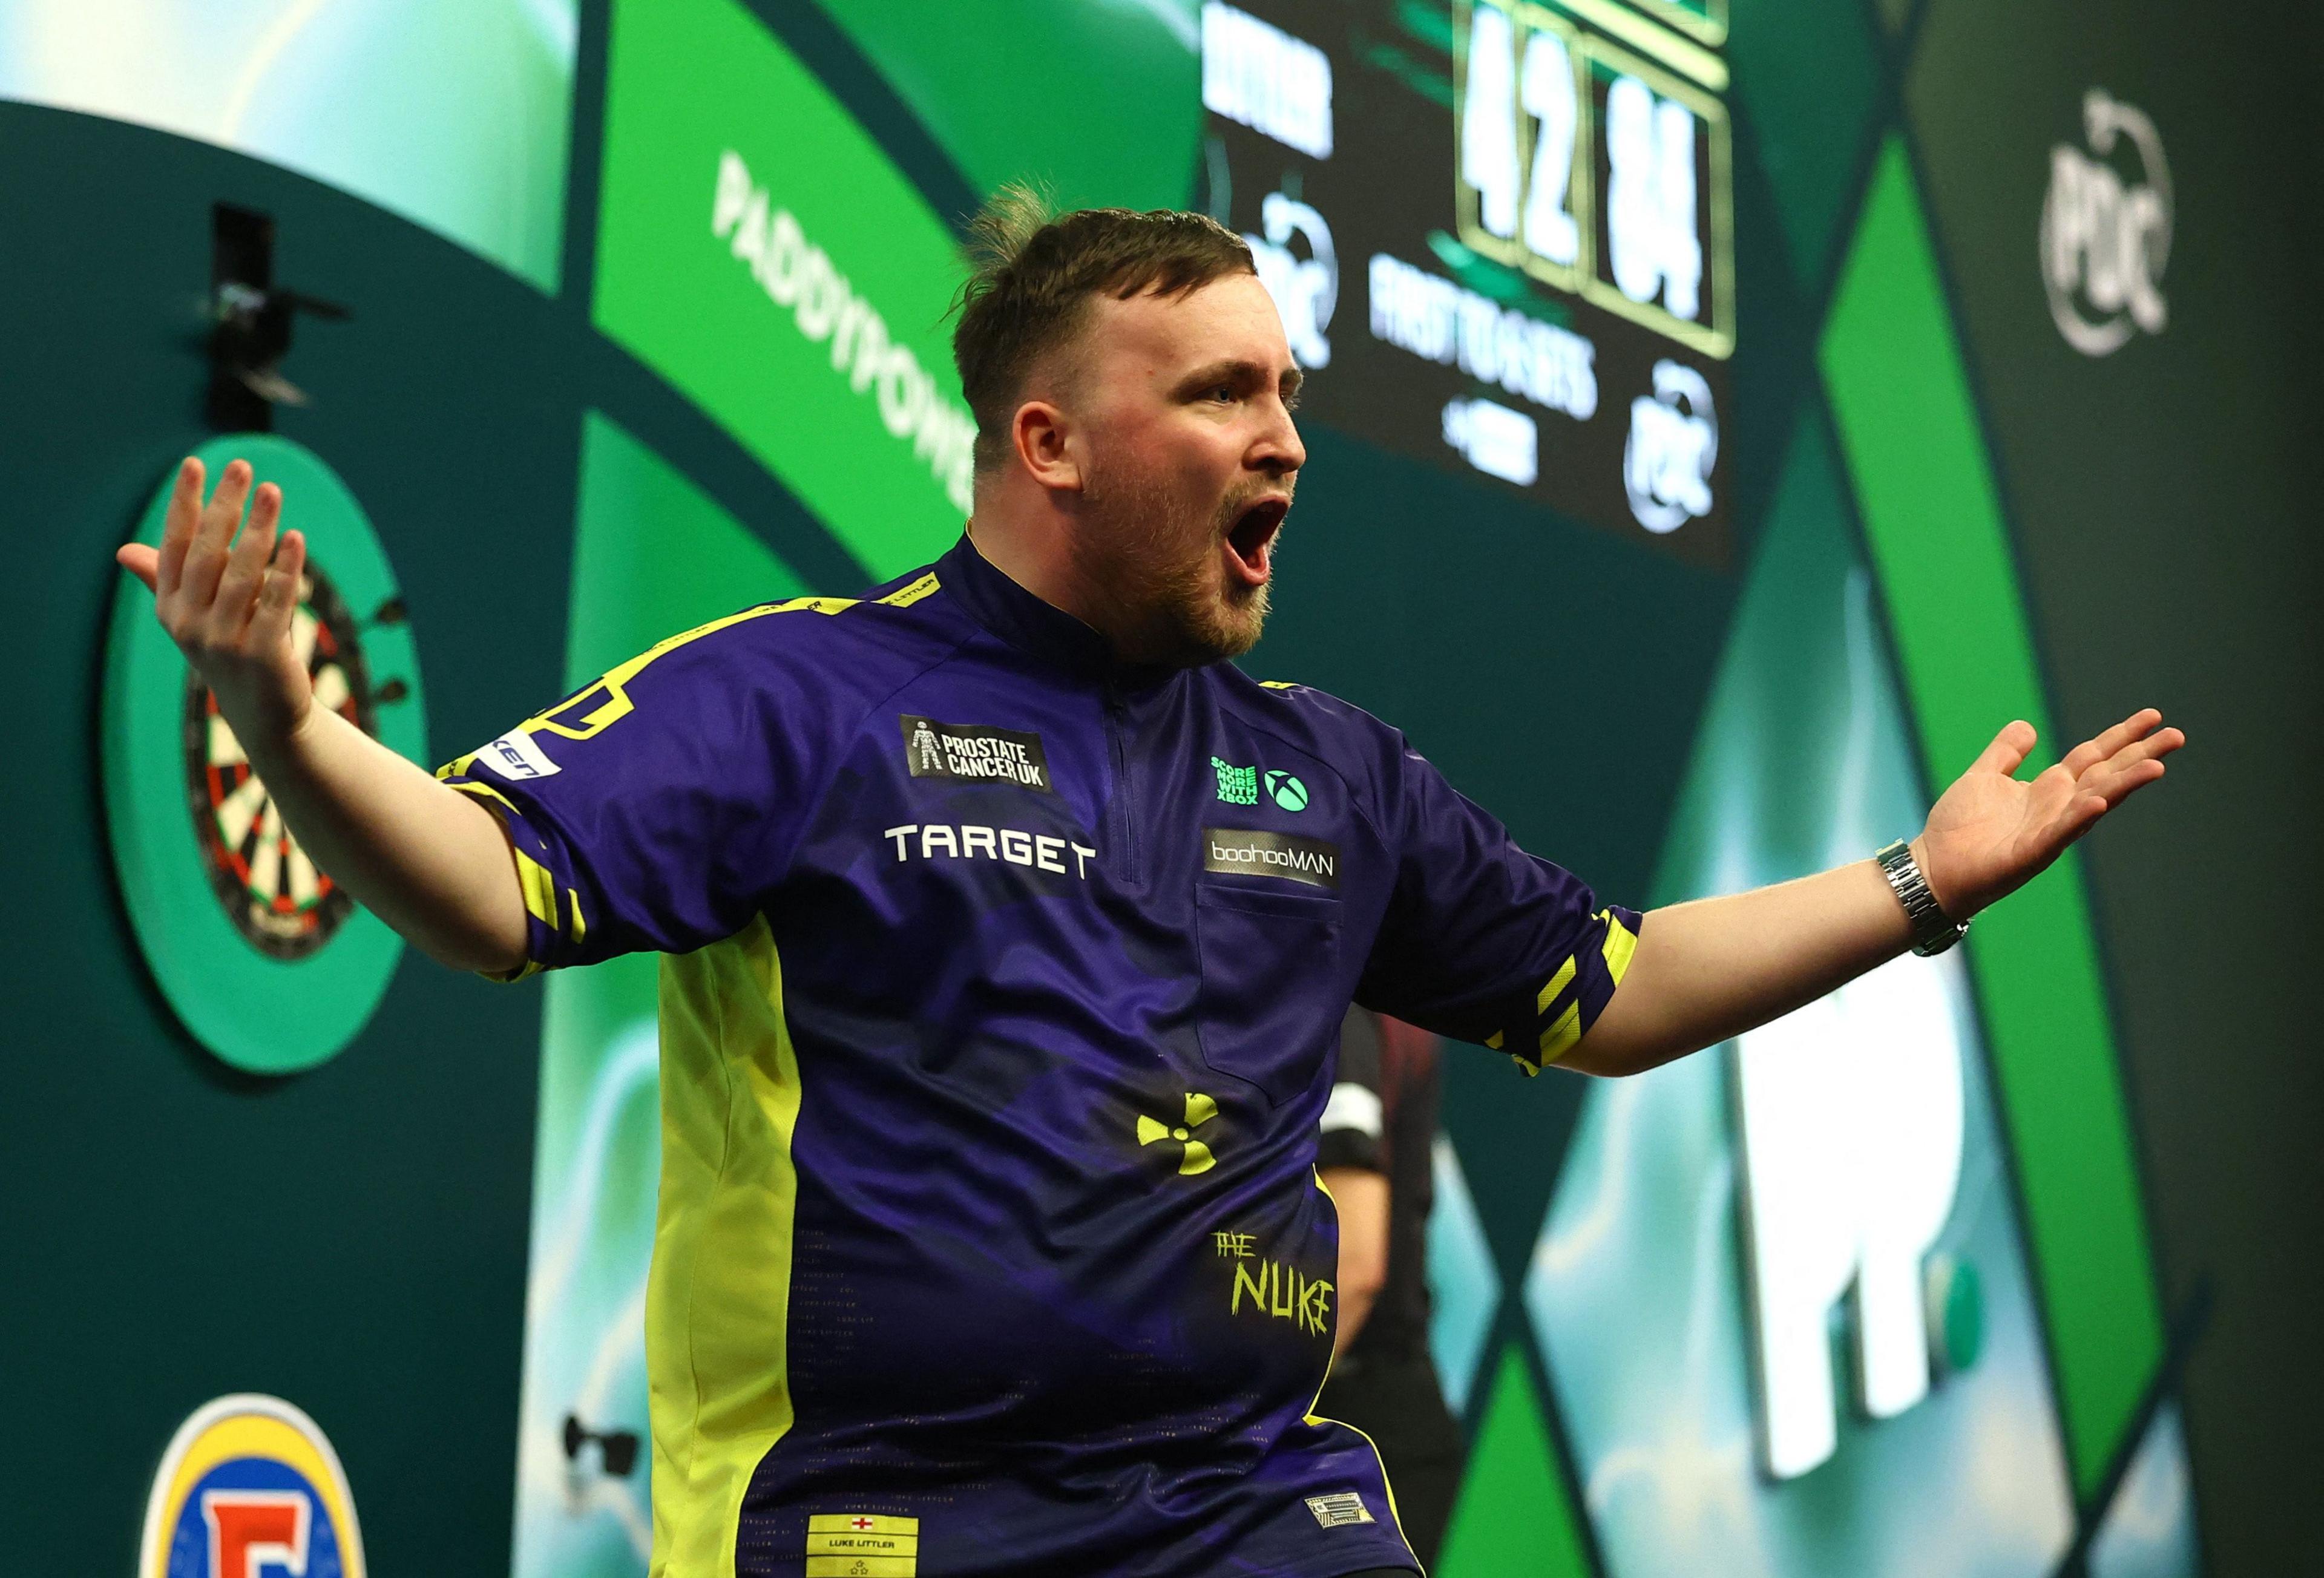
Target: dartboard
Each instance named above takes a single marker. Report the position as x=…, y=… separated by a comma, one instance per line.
x=270, y=889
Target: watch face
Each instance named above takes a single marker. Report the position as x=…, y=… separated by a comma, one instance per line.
x=271, y=891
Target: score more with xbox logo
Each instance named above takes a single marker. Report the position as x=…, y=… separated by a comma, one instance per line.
x=1239, y=785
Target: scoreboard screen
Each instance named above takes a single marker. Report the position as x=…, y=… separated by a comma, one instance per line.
x=1501, y=237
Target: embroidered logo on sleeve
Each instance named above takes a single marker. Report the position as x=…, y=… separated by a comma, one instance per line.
x=861, y=1544
x=518, y=756
x=1340, y=1507
x=960, y=753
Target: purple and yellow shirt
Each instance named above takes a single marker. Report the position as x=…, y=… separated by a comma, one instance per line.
x=1002, y=988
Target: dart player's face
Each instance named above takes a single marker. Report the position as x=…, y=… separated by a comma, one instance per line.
x=1193, y=457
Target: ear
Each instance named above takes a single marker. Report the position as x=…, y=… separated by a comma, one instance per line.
x=1046, y=446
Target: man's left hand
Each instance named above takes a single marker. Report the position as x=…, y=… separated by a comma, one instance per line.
x=1989, y=833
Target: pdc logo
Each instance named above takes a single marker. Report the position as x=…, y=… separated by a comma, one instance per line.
x=250, y=1488
x=1674, y=443
x=2106, y=229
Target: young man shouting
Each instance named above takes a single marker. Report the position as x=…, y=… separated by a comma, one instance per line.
x=1009, y=927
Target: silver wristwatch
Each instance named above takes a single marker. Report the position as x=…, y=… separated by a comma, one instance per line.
x=1933, y=933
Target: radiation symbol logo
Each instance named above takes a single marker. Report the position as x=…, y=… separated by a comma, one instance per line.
x=1197, y=1156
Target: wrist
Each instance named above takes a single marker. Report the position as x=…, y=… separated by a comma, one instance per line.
x=1947, y=901
x=274, y=737
x=1932, y=928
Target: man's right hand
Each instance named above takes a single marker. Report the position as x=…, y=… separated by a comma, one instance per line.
x=227, y=601
x=433, y=863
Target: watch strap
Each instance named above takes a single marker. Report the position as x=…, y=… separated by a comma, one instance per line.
x=1932, y=931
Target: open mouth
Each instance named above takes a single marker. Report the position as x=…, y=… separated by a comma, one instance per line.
x=1251, y=540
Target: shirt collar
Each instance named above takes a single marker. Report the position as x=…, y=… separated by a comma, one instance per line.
x=1033, y=625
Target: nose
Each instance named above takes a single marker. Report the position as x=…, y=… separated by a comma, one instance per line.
x=1279, y=452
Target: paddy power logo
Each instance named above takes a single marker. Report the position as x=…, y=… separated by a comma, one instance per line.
x=801, y=278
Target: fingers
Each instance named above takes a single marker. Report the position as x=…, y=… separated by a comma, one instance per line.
x=205, y=563
x=2101, y=791
x=2007, y=752
x=2092, y=752
x=2126, y=765
x=2153, y=747
x=2116, y=784
x=178, y=530
x=279, y=595
x=140, y=561
x=246, y=561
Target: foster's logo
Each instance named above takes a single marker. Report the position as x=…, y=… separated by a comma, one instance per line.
x=250, y=1488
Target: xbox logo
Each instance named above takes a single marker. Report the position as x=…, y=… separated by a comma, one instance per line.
x=1289, y=792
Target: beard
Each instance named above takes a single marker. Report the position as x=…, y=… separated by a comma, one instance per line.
x=1158, y=564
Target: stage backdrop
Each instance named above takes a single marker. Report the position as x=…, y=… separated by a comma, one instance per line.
x=1725, y=415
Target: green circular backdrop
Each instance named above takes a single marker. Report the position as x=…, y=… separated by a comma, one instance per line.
x=259, y=1013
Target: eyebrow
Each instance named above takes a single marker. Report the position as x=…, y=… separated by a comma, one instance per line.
x=1247, y=374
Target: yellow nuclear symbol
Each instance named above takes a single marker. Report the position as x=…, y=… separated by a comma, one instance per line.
x=1200, y=1110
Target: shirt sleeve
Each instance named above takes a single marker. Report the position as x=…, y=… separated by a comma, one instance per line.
x=1355, y=1113
x=656, y=808
x=1482, y=942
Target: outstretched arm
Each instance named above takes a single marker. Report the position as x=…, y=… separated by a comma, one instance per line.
x=1711, y=969
x=431, y=862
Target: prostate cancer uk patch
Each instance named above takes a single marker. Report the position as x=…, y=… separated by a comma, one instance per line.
x=962, y=753
x=1250, y=852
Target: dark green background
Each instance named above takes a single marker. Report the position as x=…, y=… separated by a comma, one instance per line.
x=354, y=1238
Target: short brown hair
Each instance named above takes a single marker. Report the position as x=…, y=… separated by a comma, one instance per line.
x=1033, y=274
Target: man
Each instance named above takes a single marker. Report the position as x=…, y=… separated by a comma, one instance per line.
x=989, y=1238
x=1376, y=1155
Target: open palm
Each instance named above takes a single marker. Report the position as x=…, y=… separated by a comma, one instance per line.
x=1989, y=833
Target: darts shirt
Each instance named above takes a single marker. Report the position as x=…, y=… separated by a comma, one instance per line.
x=1001, y=997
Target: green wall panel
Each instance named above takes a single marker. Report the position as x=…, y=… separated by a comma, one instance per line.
x=1808, y=73
x=653, y=555
x=1934, y=522
x=1516, y=1517
x=1103, y=103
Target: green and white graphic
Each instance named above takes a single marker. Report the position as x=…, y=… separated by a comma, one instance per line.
x=757, y=250
x=455, y=114
x=1838, y=1172
x=268, y=964
x=652, y=555
x=1286, y=791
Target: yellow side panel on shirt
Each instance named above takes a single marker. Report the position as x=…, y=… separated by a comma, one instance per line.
x=718, y=1301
